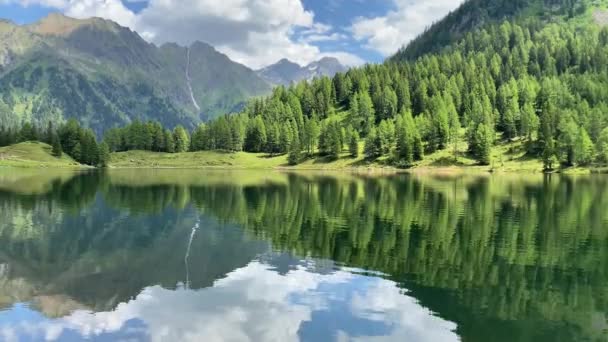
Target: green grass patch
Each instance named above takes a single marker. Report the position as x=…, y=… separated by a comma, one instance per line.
x=192, y=160
x=33, y=154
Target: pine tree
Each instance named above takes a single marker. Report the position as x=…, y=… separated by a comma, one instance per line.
x=404, y=136
x=529, y=121
x=549, y=158
x=353, y=143
x=454, y=128
x=311, y=136
x=169, y=142
x=57, y=151
x=273, y=136
x=584, y=149
x=180, y=136
x=77, y=152
x=366, y=113
x=373, y=145
x=104, y=155
x=484, y=141
x=295, y=151
x=256, y=135
x=89, y=149
x=50, y=132
x=602, y=146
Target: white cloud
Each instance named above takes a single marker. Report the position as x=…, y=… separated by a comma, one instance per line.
x=253, y=32
x=111, y=9
x=386, y=34
x=253, y=303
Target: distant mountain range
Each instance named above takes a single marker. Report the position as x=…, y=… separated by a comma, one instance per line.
x=285, y=72
x=105, y=75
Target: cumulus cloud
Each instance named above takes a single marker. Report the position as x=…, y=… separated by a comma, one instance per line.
x=253, y=32
x=111, y=9
x=386, y=34
x=253, y=303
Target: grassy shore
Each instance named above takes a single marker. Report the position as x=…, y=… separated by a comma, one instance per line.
x=35, y=155
x=238, y=160
x=507, y=158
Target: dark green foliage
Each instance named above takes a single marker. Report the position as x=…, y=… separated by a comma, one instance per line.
x=7, y=136
x=353, y=142
x=28, y=132
x=295, y=152
x=331, y=140
x=407, y=140
x=148, y=136
x=104, y=155
x=79, y=143
x=310, y=136
x=57, y=150
x=373, y=145
x=182, y=141
x=256, y=135
x=169, y=142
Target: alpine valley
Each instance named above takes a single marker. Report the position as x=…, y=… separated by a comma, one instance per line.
x=106, y=75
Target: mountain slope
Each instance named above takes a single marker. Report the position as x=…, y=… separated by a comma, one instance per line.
x=106, y=75
x=514, y=82
x=285, y=72
x=474, y=14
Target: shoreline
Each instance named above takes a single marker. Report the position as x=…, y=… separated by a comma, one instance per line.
x=33, y=155
x=439, y=170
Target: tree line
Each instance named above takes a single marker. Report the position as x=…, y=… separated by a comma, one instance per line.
x=70, y=138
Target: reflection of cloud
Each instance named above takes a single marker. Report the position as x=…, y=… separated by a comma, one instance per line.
x=384, y=302
x=253, y=303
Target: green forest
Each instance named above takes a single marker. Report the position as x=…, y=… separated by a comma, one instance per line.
x=539, y=80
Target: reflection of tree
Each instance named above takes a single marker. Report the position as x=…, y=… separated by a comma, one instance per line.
x=512, y=249
x=101, y=250
x=478, y=250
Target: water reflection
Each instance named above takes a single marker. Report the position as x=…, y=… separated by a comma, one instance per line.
x=172, y=255
x=253, y=302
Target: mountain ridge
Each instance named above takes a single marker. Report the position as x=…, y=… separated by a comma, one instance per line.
x=108, y=75
x=285, y=72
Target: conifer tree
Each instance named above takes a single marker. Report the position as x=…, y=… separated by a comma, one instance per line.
x=57, y=151
x=180, y=137
x=353, y=143
x=104, y=155
x=169, y=142
x=295, y=151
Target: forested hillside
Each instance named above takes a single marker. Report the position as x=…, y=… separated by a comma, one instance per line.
x=474, y=14
x=540, y=80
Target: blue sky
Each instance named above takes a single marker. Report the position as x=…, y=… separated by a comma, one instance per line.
x=260, y=32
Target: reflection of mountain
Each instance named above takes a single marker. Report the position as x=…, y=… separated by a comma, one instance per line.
x=100, y=256
x=512, y=258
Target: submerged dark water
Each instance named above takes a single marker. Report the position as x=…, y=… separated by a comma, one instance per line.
x=246, y=256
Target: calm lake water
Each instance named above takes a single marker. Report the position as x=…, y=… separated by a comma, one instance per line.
x=268, y=256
